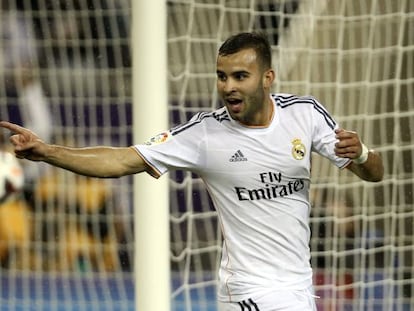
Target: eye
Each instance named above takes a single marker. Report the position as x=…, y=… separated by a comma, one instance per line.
x=240, y=76
x=221, y=76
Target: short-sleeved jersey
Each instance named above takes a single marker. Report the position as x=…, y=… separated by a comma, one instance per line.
x=258, y=179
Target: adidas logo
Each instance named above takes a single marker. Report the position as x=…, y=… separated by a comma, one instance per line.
x=238, y=157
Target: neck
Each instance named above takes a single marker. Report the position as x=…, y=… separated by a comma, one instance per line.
x=264, y=117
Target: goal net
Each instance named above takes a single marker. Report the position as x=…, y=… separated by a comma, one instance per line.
x=66, y=242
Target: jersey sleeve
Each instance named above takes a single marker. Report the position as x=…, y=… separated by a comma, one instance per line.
x=177, y=148
x=324, y=135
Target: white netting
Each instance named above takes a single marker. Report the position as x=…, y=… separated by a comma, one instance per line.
x=357, y=57
x=66, y=252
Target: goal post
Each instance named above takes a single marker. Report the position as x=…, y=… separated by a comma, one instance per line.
x=150, y=107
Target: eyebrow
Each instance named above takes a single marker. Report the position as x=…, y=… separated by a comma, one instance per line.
x=234, y=72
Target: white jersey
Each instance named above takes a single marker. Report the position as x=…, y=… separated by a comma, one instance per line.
x=258, y=179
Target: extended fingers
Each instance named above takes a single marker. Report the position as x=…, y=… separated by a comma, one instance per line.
x=20, y=134
x=11, y=126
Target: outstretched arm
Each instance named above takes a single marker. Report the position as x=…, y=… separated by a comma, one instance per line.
x=100, y=161
x=366, y=164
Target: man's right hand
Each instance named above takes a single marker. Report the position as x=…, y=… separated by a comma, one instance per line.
x=27, y=145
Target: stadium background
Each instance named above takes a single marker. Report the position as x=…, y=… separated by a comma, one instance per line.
x=70, y=246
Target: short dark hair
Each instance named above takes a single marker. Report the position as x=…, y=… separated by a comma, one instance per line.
x=249, y=40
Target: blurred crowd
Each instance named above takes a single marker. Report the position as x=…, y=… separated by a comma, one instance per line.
x=51, y=219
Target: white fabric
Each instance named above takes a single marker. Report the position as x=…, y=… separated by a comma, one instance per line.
x=282, y=300
x=259, y=180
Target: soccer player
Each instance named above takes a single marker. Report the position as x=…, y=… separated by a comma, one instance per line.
x=254, y=155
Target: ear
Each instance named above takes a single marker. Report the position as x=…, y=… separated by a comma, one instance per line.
x=268, y=78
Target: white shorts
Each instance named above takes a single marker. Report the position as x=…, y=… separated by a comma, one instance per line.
x=283, y=300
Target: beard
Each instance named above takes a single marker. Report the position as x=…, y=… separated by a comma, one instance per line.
x=252, y=108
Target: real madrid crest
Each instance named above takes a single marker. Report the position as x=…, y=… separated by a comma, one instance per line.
x=298, y=149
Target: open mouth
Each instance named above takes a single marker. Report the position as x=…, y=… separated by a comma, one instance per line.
x=234, y=103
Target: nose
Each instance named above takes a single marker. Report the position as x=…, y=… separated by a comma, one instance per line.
x=229, y=86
